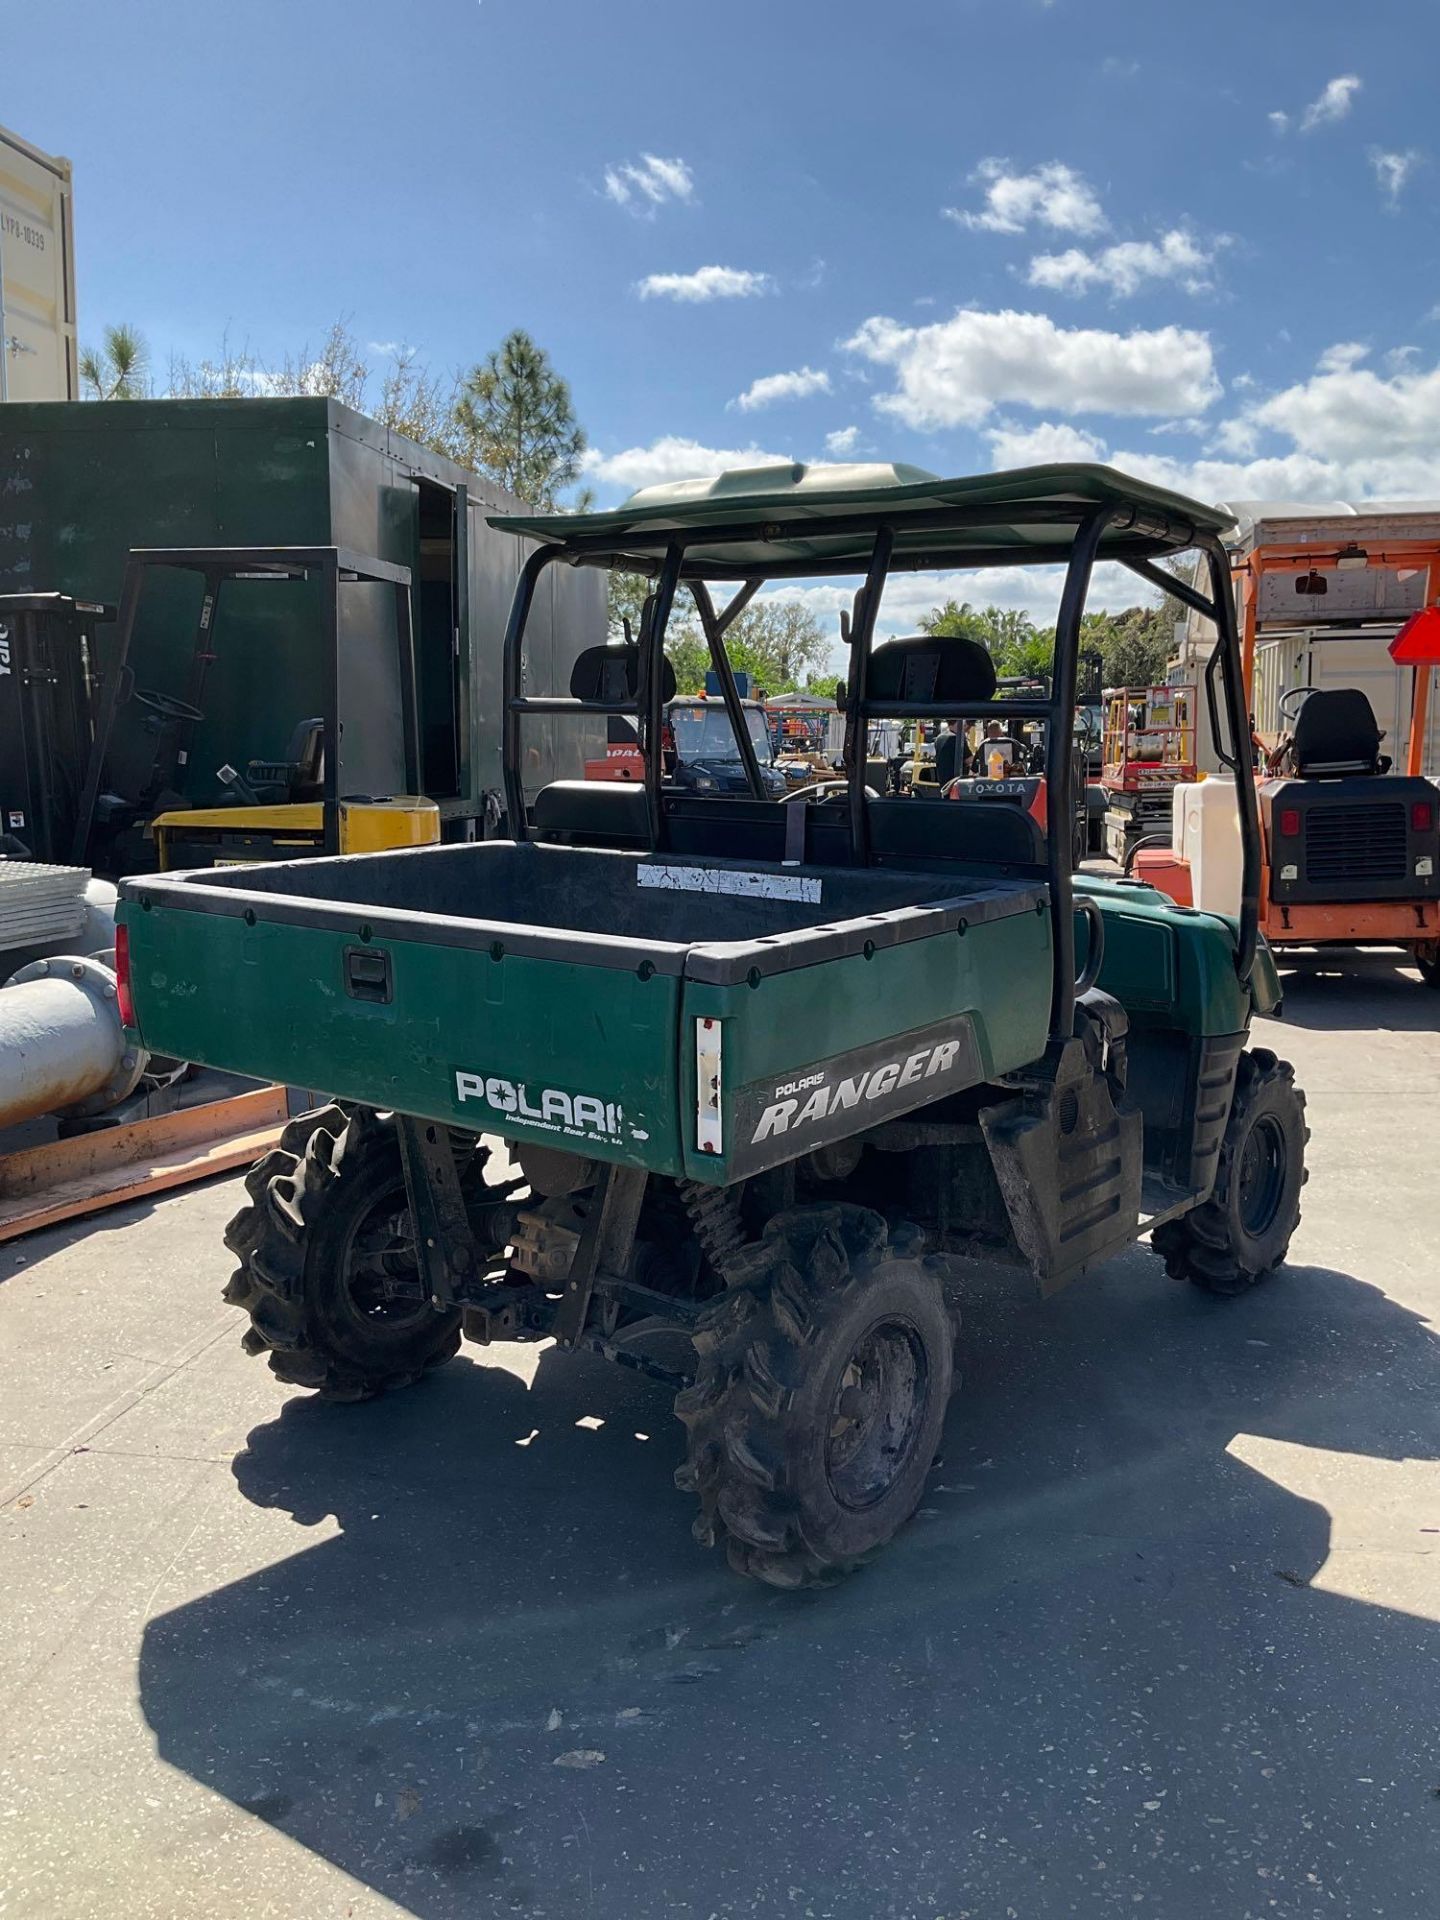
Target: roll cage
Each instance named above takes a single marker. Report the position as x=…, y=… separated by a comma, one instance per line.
x=796, y=522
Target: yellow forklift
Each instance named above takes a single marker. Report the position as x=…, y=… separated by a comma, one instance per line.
x=350, y=778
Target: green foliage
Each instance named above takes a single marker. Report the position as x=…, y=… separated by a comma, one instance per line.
x=120, y=368
x=515, y=416
x=1009, y=636
x=1133, y=646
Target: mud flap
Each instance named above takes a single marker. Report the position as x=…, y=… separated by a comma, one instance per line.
x=1067, y=1156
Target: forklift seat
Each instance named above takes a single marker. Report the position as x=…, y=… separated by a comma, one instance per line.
x=1336, y=732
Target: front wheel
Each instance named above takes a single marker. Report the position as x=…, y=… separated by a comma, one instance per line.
x=328, y=1272
x=819, y=1400
x=1242, y=1232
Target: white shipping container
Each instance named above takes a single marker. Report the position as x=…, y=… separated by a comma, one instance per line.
x=38, y=353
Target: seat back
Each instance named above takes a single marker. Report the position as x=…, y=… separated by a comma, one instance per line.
x=1336, y=732
x=592, y=813
x=928, y=668
x=610, y=676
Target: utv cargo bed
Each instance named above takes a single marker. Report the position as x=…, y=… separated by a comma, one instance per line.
x=701, y=1018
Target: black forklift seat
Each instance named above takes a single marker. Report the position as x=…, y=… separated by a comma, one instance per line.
x=1336, y=732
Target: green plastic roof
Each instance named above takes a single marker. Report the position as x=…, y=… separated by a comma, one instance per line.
x=768, y=518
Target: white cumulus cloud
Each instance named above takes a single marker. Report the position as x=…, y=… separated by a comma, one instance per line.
x=1333, y=102
x=672, y=458
x=1346, y=432
x=1053, y=195
x=909, y=596
x=1392, y=170
x=1041, y=445
x=706, y=283
x=843, y=442
x=956, y=372
x=648, y=183
x=771, y=387
x=1124, y=268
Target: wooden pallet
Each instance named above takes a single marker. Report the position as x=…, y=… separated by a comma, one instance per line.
x=41, y=1186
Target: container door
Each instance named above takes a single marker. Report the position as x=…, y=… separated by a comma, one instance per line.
x=441, y=599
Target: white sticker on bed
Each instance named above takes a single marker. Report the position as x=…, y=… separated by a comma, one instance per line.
x=749, y=886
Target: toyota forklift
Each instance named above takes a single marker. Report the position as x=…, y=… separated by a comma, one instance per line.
x=768, y=1079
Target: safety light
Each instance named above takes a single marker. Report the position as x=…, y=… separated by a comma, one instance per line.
x=1290, y=821
x=1422, y=816
x=123, y=998
x=1352, y=556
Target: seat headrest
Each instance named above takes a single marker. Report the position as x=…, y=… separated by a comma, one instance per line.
x=610, y=676
x=1336, y=732
x=930, y=668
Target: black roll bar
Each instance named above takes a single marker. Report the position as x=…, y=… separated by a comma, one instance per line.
x=1241, y=758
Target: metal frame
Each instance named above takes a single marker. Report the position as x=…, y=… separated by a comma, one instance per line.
x=336, y=567
x=1154, y=534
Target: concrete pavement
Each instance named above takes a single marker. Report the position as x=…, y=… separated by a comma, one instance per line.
x=1164, y=1639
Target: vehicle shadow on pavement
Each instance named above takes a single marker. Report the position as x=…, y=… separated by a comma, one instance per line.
x=1359, y=992
x=1101, y=1672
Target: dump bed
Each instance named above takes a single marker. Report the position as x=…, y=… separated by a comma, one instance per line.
x=698, y=1017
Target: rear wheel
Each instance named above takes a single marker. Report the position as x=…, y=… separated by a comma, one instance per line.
x=1428, y=961
x=1243, y=1231
x=819, y=1400
x=327, y=1270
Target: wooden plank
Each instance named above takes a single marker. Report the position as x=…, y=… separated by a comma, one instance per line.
x=68, y=1178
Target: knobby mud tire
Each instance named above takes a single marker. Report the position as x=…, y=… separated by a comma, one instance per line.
x=1219, y=1246
x=826, y=1297
x=295, y=1238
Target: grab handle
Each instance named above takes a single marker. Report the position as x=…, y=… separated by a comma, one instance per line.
x=1094, y=945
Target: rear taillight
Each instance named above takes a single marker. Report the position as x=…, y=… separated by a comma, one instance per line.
x=1422, y=816
x=122, y=977
x=1290, y=821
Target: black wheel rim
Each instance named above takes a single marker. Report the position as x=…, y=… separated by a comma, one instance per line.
x=1262, y=1174
x=877, y=1413
x=380, y=1288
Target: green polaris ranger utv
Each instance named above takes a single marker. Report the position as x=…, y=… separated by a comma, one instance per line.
x=727, y=1089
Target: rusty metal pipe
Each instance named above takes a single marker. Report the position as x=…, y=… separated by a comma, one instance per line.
x=62, y=1047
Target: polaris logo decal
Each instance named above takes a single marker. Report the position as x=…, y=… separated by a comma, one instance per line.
x=582, y=1115
x=775, y=1120
x=786, y=1114
x=4, y=657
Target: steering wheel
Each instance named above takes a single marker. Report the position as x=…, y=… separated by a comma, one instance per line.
x=166, y=705
x=1290, y=703
x=826, y=791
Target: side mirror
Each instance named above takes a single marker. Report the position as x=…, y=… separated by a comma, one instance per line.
x=841, y=689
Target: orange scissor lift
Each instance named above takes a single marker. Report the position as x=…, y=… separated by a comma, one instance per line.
x=1147, y=750
x=1350, y=848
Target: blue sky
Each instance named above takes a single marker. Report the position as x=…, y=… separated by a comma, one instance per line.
x=963, y=233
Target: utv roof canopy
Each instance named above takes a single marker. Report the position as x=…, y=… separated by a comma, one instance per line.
x=768, y=522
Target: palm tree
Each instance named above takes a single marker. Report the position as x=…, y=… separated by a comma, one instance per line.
x=120, y=370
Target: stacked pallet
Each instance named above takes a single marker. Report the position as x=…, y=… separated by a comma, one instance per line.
x=40, y=905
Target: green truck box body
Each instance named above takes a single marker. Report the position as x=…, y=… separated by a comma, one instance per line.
x=84, y=482
x=580, y=998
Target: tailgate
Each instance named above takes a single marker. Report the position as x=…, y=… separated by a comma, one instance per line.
x=562, y=1039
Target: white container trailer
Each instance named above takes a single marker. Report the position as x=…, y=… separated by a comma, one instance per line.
x=38, y=352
